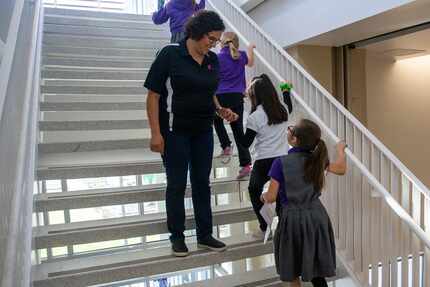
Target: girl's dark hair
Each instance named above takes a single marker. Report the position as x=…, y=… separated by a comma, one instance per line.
x=202, y=23
x=263, y=92
x=308, y=135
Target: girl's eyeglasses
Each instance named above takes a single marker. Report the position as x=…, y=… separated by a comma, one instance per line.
x=291, y=130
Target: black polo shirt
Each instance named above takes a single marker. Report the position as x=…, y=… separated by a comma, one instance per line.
x=190, y=107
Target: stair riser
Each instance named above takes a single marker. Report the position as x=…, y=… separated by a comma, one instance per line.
x=82, y=30
x=99, y=53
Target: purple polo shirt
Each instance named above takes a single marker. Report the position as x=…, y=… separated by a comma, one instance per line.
x=232, y=72
x=178, y=11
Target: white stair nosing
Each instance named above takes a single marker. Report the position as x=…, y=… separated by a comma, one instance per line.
x=62, y=12
x=118, y=267
x=124, y=195
x=87, y=106
x=94, y=83
x=131, y=33
x=95, y=75
x=99, y=53
x=129, y=227
x=77, y=63
x=111, y=169
x=93, y=90
x=93, y=145
x=144, y=24
x=101, y=42
x=93, y=125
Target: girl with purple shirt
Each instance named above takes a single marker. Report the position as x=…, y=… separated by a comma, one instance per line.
x=178, y=11
x=230, y=94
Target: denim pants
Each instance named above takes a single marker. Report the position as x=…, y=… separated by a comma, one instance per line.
x=183, y=153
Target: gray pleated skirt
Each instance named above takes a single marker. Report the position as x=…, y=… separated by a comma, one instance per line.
x=304, y=243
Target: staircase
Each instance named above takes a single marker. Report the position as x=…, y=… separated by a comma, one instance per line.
x=93, y=125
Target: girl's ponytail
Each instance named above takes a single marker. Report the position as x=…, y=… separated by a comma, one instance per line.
x=230, y=40
x=316, y=164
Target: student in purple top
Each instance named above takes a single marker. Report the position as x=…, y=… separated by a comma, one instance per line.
x=230, y=94
x=178, y=12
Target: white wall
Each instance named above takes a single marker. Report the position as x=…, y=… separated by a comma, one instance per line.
x=303, y=19
x=398, y=105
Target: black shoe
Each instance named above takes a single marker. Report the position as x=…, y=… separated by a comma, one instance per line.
x=211, y=244
x=179, y=248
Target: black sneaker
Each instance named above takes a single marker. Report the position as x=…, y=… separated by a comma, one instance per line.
x=211, y=244
x=179, y=249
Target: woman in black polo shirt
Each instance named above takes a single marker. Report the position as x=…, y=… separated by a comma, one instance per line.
x=181, y=124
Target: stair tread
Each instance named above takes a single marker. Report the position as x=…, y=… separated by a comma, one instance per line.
x=120, y=195
x=146, y=262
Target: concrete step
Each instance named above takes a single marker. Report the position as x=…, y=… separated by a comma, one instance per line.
x=106, y=53
x=82, y=30
x=92, y=146
x=93, y=83
x=77, y=98
x=115, y=115
x=96, y=15
x=107, y=163
x=101, y=42
x=94, y=75
x=124, y=195
x=78, y=63
x=93, y=90
x=255, y=278
x=144, y=23
x=70, y=144
x=101, y=269
x=92, y=125
x=89, y=106
x=128, y=227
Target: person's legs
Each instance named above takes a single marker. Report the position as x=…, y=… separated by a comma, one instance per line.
x=259, y=177
x=176, y=158
x=221, y=132
x=177, y=37
x=200, y=168
x=319, y=282
x=160, y=4
x=237, y=128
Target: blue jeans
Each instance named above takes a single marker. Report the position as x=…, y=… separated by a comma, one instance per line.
x=185, y=152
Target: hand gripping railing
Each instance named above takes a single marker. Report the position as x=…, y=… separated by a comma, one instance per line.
x=380, y=210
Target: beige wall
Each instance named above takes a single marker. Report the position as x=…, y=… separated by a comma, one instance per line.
x=357, y=84
x=317, y=60
x=398, y=109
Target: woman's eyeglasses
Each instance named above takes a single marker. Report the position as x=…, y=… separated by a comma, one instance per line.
x=213, y=40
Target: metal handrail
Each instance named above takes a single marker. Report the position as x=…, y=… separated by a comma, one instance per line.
x=389, y=199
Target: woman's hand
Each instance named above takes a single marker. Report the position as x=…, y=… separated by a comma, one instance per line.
x=157, y=143
x=227, y=114
x=262, y=198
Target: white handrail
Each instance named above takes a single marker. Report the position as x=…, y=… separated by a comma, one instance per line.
x=406, y=172
x=375, y=183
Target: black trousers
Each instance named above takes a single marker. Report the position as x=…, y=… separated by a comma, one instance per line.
x=259, y=177
x=236, y=127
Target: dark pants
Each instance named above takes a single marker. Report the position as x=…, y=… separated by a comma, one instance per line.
x=177, y=37
x=259, y=177
x=319, y=282
x=237, y=128
x=194, y=153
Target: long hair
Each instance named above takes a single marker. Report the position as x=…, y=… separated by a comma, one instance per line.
x=308, y=135
x=230, y=40
x=263, y=92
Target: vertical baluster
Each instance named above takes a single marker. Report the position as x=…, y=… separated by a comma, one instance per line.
x=426, y=259
x=375, y=235
x=358, y=208
x=405, y=202
x=386, y=237
x=416, y=244
x=341, y=188
x=349, y=192
x=395, y=222
x=366, y=209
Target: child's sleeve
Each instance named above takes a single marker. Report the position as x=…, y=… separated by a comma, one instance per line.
x=160, y=17
x=243, y=58
x=200, y=5
x=253, y=122
x=276, y=171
